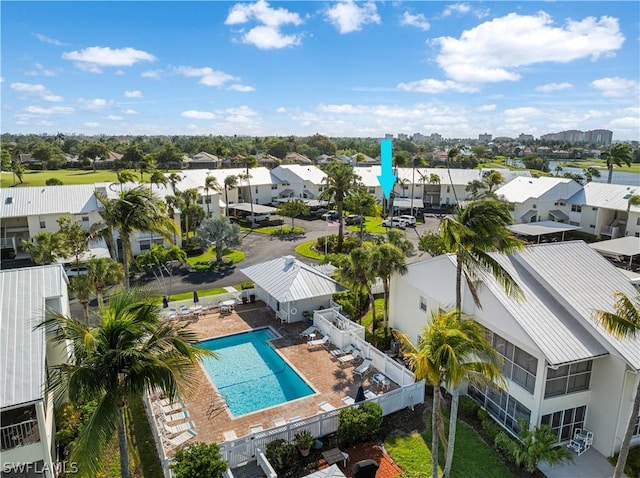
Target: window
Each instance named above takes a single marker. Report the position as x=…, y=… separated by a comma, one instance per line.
x=594, y=208
x=636, y=429
x=565, y=422
x=423, y=304
x=501, y=406
x=274, y=186
x=638, y=221
x=574, y=223
x=372, y=190
x=448, y=189
x=519, y=366
x=568, y=379
x=592, y=226
x=637, y=234
x=85, y=218
x=145, y=245
x=256, y=189
x=43, y=224
x=575, y=208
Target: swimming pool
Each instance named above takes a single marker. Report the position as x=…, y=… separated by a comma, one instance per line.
x=249, y=374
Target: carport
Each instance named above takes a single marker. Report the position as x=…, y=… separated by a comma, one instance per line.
x=542, y=228
x=623, y=246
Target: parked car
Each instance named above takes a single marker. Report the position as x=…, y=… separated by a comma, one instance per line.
x=353, y=219
x=329, y=215
x=75, y=271
x=410, y=220
x=394, y=222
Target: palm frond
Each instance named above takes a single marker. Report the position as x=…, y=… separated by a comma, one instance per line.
x=625, y=321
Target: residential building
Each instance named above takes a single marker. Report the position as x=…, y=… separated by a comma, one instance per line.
x=297, y=158
x=203, y=160
x=27, y=423
x=402, y=137
x=600, y=136
x=561, y=368
x=485, y=138
x=601, y=209
x=525, y=137
x=300, y=181
x=538, y=199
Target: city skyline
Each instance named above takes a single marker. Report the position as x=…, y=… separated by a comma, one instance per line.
x=340, y=69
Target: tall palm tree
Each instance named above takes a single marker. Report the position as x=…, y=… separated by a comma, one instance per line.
x=417, y=162
x=617, y=155
x=102, y=273
x=476, y=230
x=174, y=179
x=130, y=352
x=452, y=156
x=135, y=210
x=174, y=203
x=355, y=269
x=387, y=260
x=82, y=289
x=230, y=182
x=590, y=173
x=341, y=181
x=47, y=247
x=247, y=177
x=158, y=178
x=634, y=200
x=623, y=323
x=492, y=179
x=189, y=198
x=452, y=348
x=210, y=183
x=124, y=176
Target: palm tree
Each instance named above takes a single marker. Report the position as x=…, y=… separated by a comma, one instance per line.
x=47, y=247
x=174, y=203
x=135, y=210
x=590, y=173
x=452, y=348
x=158, y=178
x=618, y=154
x=129, y=353
x=230, y=182
x=189, y=198
x=387, y=260
x=492, y=179
x=417, y=162
x=292, y=209
x=102, y=273
x=340, y=181
x=124, y=176
x=355, y=269
x=247, y=177
x=174, y=179
x=634, y=200
x=623, y=323
x=81, y=288
x=476, y=230
x=452, y=156
x=210, y=183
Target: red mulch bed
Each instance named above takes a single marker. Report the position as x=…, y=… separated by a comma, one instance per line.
x=369, y=451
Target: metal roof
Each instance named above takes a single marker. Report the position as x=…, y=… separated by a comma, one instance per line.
x=529, y=214
x=623, y=246
x=30, y=201
x=558, y=214
x=541, y=228
x=294, y=173
x=257, y=208
x=286, y=279
x=407, y=203
x=22, y=349
x=520, y=189
x=369, y=175
x=611, y=196
x=194, y=178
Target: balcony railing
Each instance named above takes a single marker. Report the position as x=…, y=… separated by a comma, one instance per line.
x=20, y=434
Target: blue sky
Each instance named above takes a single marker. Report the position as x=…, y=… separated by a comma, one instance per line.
x=336, y=68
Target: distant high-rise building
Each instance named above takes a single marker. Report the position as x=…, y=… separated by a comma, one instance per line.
x=419, y=138
x=599, y=136
x=485, y=138
x=402, y=137
x=388, y=136
x=435, y=138
x=525, y=137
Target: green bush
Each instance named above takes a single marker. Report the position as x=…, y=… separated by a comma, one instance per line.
x=282, y=455
x=348, y=243
x=348, y=302
x=482, y=414
x=506, y=446
x=632, y=467
x=200, y=460
x=358, y=424
x=192, y=248
x=247, y=285
x=490, y=426
x=468, y=407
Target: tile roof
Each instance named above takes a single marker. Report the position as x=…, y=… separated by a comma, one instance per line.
x=22, y=349
x=286, y=279
x=29, y=201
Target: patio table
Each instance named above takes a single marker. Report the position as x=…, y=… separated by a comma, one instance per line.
x=334, y=455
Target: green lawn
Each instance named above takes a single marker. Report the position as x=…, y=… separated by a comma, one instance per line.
x=473, y=458
x=67, y=176
x=201, y=293
x=142, y=440
x=368, y=317
x=305, y=250
x=601, y=165
x=275, y=230
x=371, y=224
x=207, y=259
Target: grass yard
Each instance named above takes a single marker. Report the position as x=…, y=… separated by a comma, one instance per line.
x=473, y=458
x=305, y=250
x=67, y=176
x=275, y=230
x=372, y=225
x=201, y=293
x=601, y=165
x=206, y=260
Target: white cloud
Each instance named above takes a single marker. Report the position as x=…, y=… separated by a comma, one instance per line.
x=119, y=72
x=418, y=20
x=464, y=8
x=208, y=76
x=494, y=50
x=282, y=109
x=46, y=39
x=130, y=112
x=92, y=58
x=92, y=124
x=616, y=87
x=155, y=74
x=94, y=104
x=549, y=87
x=114, y=117
x=40, y=71
x=268, y=38
x=242, y=88
x=631, y=123
x=38, y=110
x=133, y=94
x=487, y=108
x=193, y=114
x=262, y=12
x=242, y=110
x=523, y=111
x=348, y=17
x=435, y=86
x=36, y=90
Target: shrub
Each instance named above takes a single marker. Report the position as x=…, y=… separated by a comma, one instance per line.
x=282, y=455
x=247, y=285
x=482, y=414
x=200, y=460
x=538, y=444
x=468, y=407
x=304, y=440
x=357, y=424
x=348, y=244
x=506, y=446
x=53, y=182
x=192, y=248
x=632, y=467
x=490, y=426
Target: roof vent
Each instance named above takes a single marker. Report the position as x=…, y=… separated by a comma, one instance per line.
x=289, y=260
x=9, y=200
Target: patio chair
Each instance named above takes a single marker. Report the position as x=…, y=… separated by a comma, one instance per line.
x=348, y=400
x=295, y=419
x=163, y=402
x=174, y=430
x=229, y=435
x=181, y=439
x=364, y=368
x=172, y=407
x=340, y=352
x=279, y=422
x=316, y=343
x=256, y=428
x=309, y=330
x=581, y=441
x=326, y=406
x=174, y=417
x=368, y=394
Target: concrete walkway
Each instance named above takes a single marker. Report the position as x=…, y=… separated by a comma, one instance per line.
x=590, y=464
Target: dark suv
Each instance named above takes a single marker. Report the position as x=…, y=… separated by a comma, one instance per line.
x=353, y=219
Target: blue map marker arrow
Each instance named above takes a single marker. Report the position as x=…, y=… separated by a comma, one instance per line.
x=387, y=179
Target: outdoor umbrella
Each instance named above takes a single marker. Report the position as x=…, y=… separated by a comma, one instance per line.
x=360, y=395
x=195, y=297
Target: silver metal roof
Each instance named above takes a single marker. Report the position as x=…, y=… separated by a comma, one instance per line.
x=520, y=189
x=540, y=228
x=622, y=246
x=257, y=208
x=30, y=201
x=286, y=279
x=610, y=196
x=22, y=349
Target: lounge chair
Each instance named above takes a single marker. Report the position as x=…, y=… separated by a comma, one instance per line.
x=176, y=416
x=172, y=407
x=295, y=419
x=368, y=394
x=314, y=343
x=255, y=428
x=348, y=400
x=174, y=430
x=308, y=330
x=326, y=406
x=181, y=439
x=363, y=368
x=229, y=435
x=279, y=422
x=349, y=357
x=340, y=352
x=163, y=402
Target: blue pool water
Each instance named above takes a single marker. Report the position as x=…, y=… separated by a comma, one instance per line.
x=249, y=374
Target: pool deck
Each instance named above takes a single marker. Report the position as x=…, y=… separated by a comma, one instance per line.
x=331, y=380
